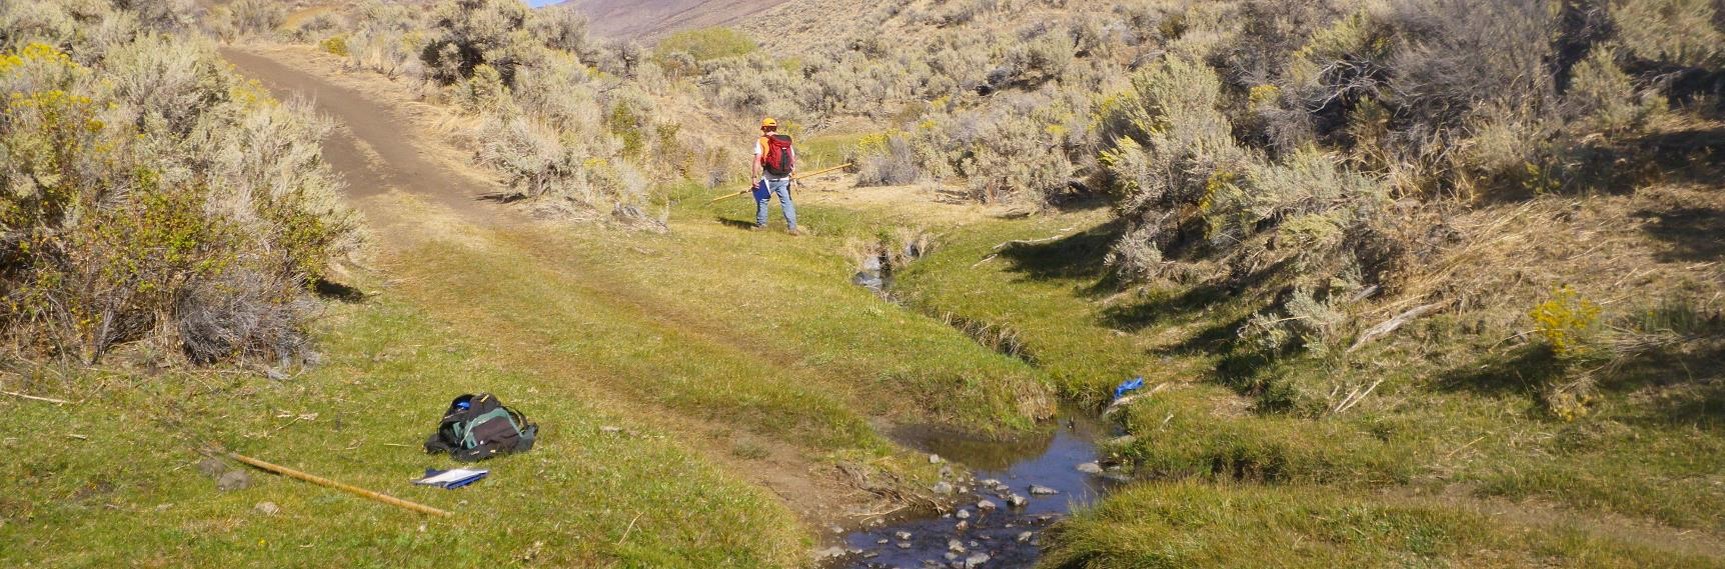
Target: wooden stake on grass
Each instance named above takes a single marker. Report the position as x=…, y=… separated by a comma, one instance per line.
x=327, y=483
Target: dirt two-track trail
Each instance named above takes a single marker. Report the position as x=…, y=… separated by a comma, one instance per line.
x=375, y=148
x=413, y=188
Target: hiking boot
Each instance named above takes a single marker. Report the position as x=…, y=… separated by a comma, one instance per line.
x=793, y=231
x=757, y=228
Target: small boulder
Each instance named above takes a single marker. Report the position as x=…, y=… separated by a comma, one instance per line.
x=1090, y=468
x=1038, y=490
x=1016, y=501
x=942, y=488
x=955, y=546
x=213, y=467
x=1024, y=536
x=267, y=508
x=902, y=536
x=904, y=545
x=962, y=514
x=987, y=505
x=934, y=459
x=975, y=561
x=234, y=480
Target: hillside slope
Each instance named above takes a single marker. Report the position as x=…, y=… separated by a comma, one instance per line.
x=647, y=19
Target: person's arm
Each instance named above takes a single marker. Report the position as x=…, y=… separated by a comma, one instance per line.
x=755, y=163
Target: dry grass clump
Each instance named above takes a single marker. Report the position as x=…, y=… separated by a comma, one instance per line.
x=153, y=197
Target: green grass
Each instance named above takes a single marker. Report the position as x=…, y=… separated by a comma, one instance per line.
x=131, y=495
x=1040, y=293
x=706, y=335
x=816, y=153
x=784, y=308
x=726, y=349
x=1451, y=414
x=1201, y=525
x=706, y=44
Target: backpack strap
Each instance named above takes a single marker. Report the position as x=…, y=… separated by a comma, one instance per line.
x=529, y=431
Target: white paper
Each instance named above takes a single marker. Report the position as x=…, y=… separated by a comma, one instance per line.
x=450, y=476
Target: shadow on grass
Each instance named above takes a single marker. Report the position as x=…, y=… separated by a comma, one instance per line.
x=1690, y=233
x=1192, y=302
x=1679, y=387
x=1076, y=256
x=735, y=223
x=1217, y=338
x=1622, y=166
x=501, y=197
x=336, y=291
x=1668, y=386
x=1138, y=316
x=1681, y=156
x=1523, y=370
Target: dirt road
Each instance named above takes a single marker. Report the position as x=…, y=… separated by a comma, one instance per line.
x=385, y=154
x=375, y=149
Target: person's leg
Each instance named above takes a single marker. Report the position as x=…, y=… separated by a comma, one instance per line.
x=783, y=189
x=761, y=202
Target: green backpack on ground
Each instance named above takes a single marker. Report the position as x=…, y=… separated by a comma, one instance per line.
x=477, y=427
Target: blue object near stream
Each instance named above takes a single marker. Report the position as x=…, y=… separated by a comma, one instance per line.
x=1128, y=386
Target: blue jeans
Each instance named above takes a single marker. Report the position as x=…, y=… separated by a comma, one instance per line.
x=781, y=187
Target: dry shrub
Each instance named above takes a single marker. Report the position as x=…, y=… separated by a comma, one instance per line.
x=1172, y=148
x=164, y=15
x=137, y=186
x=565, y=176
x=167, y=83
x=59, y=24
x=886, y=160
x=241, y=314
x=1602, y=98
x=1016, y=160
x=467, y=34
x=1681, y=32
x=256, y=17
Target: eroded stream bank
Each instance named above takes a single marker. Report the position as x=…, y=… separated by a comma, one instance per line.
x=1006, y=494
x=1014, y=492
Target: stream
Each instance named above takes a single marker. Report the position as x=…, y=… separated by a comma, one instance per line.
x=972, y=535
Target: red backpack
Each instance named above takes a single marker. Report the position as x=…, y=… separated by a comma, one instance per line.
x=776, y=155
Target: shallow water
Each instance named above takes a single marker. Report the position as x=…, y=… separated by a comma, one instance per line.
x=1050, y=461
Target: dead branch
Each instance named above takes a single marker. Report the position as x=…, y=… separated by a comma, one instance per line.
x=1355, y=397
x=1387, y=327
x=1013, y=242
x=35, y=398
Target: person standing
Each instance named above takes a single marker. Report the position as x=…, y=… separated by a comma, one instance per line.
x=774, y=166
